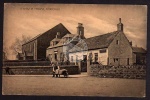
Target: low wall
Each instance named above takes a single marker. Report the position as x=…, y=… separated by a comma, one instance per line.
x=32, y=63
x=26, y=63
x=39, y=70
x=132, y=72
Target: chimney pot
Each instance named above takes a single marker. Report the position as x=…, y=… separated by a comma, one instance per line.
x=120, y=25
x=120, y=20
x=80, y=24
x=58, y=35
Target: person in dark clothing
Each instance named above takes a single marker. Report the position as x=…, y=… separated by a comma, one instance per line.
x=7, y=70
x=55, y=70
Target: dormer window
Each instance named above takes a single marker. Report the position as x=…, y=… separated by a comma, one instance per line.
x=56, y=42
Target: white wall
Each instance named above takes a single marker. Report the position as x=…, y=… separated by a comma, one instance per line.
x=102, y=57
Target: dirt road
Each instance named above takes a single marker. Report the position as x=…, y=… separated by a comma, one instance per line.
x=75, y=85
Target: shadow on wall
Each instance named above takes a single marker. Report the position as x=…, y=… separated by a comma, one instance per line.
x=38, y=70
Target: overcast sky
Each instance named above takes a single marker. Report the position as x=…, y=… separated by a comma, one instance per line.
x=34, y=19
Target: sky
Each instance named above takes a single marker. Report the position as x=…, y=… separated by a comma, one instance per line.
x=97, y=19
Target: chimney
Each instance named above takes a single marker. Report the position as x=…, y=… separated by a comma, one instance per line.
x=80, y=30
x=58, y=35
x=120, y=25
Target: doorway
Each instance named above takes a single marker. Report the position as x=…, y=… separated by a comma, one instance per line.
x=84, y=64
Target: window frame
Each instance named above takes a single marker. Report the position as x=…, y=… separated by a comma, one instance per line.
x=96, y=57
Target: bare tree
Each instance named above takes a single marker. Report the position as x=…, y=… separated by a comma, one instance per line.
x=16, y=46
x=5, y=53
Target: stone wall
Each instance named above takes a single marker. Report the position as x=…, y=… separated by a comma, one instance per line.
x=39, y=70
x=132, y=72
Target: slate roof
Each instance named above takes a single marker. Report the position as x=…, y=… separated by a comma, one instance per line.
x=138, y=50
x=97, y=42
x=50, y=31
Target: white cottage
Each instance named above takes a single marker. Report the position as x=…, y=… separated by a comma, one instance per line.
x=112, y=48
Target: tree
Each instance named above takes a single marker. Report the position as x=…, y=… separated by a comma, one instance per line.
x=5, y=53
x=16, y=46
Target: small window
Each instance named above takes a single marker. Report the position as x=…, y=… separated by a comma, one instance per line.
x=72, y=58
x=116, y=59
x=76, y=57
x=102, y=51
x=50, y=57
x=30, y=48
x=56, y=42
x=56, y=56
x=117, y=42
x=61, y=56
x=96, y=57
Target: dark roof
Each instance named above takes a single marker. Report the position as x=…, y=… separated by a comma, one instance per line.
x=50, y=31
x=33, y=38
x=138, y=50
x=97, y=42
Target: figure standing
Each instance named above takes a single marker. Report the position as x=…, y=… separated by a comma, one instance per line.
x=7, y=70
x=55, y=70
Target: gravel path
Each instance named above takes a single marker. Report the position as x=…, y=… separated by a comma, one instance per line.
x=75, y=85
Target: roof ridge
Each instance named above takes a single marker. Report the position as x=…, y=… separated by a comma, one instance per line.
x=102, y=34
x=44, y=32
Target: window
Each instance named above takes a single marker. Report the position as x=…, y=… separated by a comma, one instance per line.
x=50, y=57
x=72, y=58
x=102, y=51
x=117, y=42
x=116, y=59
x=56, y=56
x=56, y=42
x=61, y=56
x=96, y=57
x=76, y=58
x=30, y=48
